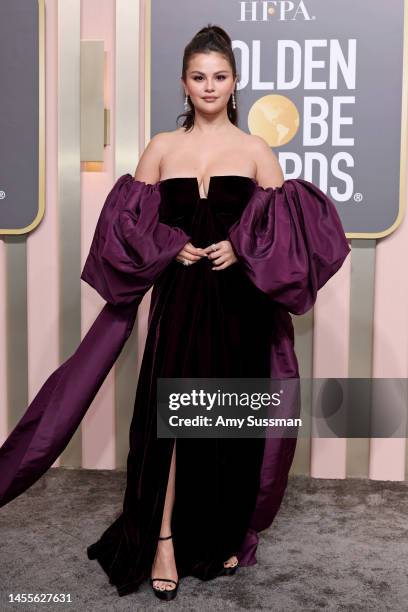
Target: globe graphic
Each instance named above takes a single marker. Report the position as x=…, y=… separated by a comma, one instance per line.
x=275, y=118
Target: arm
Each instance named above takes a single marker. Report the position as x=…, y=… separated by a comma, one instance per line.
x=131, y=247
x=148, y=168
x=290, y=241
x=268, y=170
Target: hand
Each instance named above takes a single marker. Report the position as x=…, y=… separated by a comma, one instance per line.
x=190, y=253
x=223, y=256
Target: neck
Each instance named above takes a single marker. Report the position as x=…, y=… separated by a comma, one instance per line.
x=209, y=124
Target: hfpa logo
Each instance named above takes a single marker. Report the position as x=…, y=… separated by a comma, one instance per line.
x=283, y=10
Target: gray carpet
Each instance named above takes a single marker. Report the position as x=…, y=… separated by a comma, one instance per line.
x=335, y=545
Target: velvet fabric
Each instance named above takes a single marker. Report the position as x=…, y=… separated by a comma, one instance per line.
x=234, y=322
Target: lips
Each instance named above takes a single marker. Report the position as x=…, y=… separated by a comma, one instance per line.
x=209, y=98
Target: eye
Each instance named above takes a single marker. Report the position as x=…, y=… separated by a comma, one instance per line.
x=220, y=76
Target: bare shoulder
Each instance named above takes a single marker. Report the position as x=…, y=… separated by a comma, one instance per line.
x=268, y=169
x=260, y=148
x=242, y=137
x=258, y=143
x=254, y=145
x=172, y=135
x=148, y=167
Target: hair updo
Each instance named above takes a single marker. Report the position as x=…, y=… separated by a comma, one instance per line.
x=209, y=38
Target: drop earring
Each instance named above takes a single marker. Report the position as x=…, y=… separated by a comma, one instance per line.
x=234, y=105
x=186, y=103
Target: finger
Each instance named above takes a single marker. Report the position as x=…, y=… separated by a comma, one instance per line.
x=225, y=260
x=190, y=253
x=214, y=254
x=207, y=250
x=196, y=254
x=192, y=258
x=220, y=260
x=181, y=258
x=189, y=248
x=189, y=258
x=222, y=267
x=211, y=249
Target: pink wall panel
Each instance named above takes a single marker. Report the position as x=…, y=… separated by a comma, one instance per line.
x=330, y=358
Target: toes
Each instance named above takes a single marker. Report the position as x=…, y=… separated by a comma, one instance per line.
x=159, y=586
x=232, y=562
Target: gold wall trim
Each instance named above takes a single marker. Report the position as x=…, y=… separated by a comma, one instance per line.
x=41, y=128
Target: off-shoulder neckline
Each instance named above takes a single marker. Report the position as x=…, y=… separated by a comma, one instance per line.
x=211, y=179
x=214, y=176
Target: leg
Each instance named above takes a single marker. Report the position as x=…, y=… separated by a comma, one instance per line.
x=164, y=564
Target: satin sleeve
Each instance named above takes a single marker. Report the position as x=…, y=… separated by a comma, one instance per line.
x=290, y=241
x=130, y=247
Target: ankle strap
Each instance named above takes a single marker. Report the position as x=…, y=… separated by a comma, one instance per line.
x=166, y=537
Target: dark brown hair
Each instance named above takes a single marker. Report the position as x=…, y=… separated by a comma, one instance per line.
x=209, y=38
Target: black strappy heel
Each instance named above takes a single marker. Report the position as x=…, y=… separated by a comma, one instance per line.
x=163, y=593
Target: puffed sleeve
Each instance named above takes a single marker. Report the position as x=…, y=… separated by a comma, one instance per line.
x=130, y=247
x=129, y=250
x=290, y=241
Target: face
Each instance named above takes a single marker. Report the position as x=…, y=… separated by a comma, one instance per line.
x=209, y=74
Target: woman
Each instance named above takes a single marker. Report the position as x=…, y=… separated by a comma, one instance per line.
x=230, y=249
x=210, y=147
x=206, y=170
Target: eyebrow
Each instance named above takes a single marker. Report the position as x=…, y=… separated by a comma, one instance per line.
x=199, y=71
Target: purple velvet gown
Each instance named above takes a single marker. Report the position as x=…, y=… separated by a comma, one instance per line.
x=202, y=323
